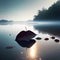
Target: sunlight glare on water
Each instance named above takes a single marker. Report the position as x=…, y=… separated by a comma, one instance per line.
x=32, y=52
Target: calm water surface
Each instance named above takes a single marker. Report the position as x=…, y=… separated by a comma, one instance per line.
x=41, y=50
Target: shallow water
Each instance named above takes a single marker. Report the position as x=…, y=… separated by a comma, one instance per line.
x=41, y=50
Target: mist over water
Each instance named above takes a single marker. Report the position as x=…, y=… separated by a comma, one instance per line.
x=41, y=50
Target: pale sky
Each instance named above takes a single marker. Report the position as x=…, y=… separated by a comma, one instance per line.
x=22, y=10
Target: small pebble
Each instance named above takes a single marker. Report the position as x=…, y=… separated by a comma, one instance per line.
x=52, y=37
x=46, y=39
x=38, y=38
x=56, y=40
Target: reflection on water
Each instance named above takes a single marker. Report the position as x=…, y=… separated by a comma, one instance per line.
x=51, y=29
x=41, y=50
x=32, y=52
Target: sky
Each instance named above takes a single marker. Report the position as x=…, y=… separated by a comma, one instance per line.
x=22, y=10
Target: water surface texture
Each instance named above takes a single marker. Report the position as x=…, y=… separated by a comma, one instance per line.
x=41, y=50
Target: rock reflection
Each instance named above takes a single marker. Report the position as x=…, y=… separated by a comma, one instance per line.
x=26, y=44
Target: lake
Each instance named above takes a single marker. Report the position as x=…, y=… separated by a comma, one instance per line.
x=41, y=50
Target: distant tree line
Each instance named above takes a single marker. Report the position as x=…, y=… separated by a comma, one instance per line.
x=53, y=13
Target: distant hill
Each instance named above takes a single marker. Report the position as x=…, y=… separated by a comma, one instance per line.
x=4, y=20
x=53, y=13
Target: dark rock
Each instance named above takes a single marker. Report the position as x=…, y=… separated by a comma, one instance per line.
x=24, y=38
x=25, y=35
x=56, y=40
x=52, y=37
x=46, y=39
x=38, y=38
